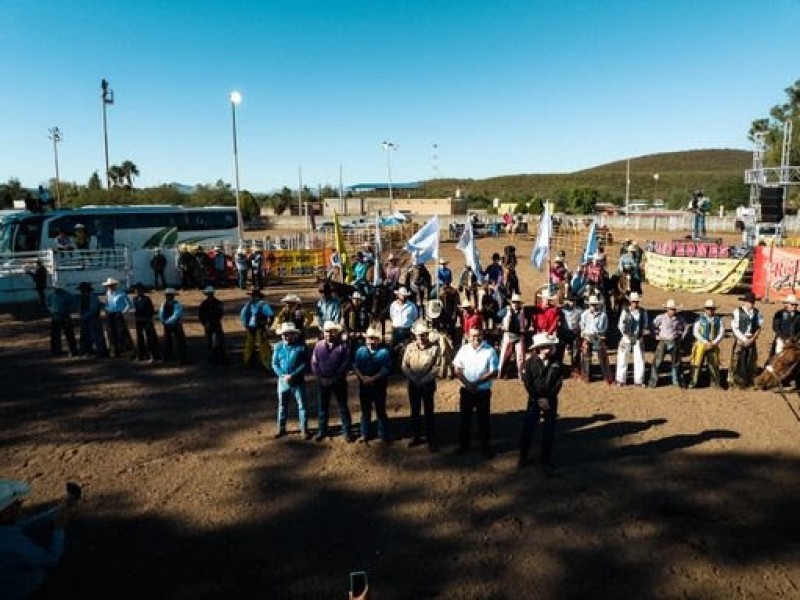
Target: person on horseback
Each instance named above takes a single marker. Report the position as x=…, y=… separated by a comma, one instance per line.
x=292, y=312
x=494, y=272
x=444, y=274
x=403, y=315
x=419, y=281
x=357, y=318
x=516, y=325
x=392, y=272
x=558, y=275
x=468, y=283
x=329, y=307
x=629, y=267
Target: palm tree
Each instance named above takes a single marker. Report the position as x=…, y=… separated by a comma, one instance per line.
x=116, y=175
x=129, y=171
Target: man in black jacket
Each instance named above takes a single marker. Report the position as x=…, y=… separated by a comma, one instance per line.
x=541, y=375
x=210, y=313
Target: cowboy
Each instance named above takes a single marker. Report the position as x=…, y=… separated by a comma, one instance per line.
x=159, y=264
x=594, y=324
x=257, y=267
x=476, y=366
x=220, y=264
x=490, y=304
x=628, y=265
x=242, y=263
x=61, y=305
x=402, y=314
x=185, y=263
x=569, y=333
x=117, y=304
x=669, y=329
x=29, y=548
x=444, y=274
x=546, y=316
x=171, y=316
x=510, y=283
x=372, y=366
x=708, y=332
x=203, y=264
x=330, y=362
x=785, y=324
x=541, y=375
x=468, y=283
x=92, y=340
x=359, y=268
x=62, y=242
x=329, y=308
x=210, y=313
x=81, y=237
x=392, y=272
x=746, y=326
x=292, y=312
x=633, y=323
x=494, y=272
x=290, y=363
x=257, y=316
x=356, y=317
x=515, y=327
x=558, y=274
x=420, y=362
x=144, y=312
x=470, y=319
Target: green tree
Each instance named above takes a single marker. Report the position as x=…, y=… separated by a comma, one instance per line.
x=772, y=128
x=128, y=170
x=248, y=205
x=94, y=182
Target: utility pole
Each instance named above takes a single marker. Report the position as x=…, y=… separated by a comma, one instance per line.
x=107, y=97
x=55, y=135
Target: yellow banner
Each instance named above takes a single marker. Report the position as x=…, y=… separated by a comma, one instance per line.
x=296, y=263
x=697, y=275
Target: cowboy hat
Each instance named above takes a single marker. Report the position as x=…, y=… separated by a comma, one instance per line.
x=357, y=295
x=256, y=292
x=671, y=304
x=402, y=291
x=11, y=491
x=543, y=339
x=598, y=256
x=791, y=299
x=331, y=326
x=516, y=298
x=209, y=289
x=558, y=259
x=593, y=300
x=419, y=328
x=709, y=304
x=748, y=297
x=443, y=261
x=372, y=333
x=287, y=327
x=634, y=297
x=433, y=309
x=170, y=292
x=79, y=226
x=109, y=282
x=291, y=298
x=391, y=257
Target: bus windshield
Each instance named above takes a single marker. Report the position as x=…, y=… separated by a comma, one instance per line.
x=21, y=235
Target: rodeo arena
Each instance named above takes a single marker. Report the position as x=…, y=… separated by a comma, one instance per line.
x=633, y=379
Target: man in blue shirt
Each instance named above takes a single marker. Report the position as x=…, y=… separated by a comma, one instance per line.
x=444, y=274
x=117, y=304
x=171, y=316
x=372, y=366
x=290, y=363
x=256, y=317
x=329, y=308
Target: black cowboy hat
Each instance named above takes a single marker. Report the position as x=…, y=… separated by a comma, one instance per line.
x=256, y=292
x=747, y=297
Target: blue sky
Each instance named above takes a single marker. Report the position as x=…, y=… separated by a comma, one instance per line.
x=503, y=87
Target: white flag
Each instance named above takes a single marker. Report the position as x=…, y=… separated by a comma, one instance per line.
x=424, y=245
x=591, y=242
x=466, y=243
x=542, y=246
x=376, y=269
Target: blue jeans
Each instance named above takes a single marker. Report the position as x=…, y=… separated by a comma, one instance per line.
x=369, y=395
x=338, y=389
x=419, y=397
x=674, y=350
x=298, y=392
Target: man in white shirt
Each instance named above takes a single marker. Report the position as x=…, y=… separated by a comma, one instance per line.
x=594, y=324
x=746, y=326
x=403, y=315
x=708, y=332
x=476, y=365
x=633, y=322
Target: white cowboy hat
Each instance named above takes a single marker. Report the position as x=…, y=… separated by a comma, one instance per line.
x=331, y=326
x=558, y=259
x=543, y=339
x=357, y=295
x=391, y=257
x=433, y=309
x=402, y=292
x=419, y=328
x=709, y=304
x=372, y=333
x=79, y=226
x=170, y=292
x=598, y=256
x=671, y=304
x=791, y=299
x=442, y=261
x=634, y=297
x=287, y=327
x=593, y=300
x=291, y=298
x=516, y=298
x=209, y=289
x=11, y=491
x=109, y=282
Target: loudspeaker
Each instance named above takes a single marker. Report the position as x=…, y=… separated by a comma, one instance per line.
x=771, y=200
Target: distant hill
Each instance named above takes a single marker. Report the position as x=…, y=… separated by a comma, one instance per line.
x=720, y=173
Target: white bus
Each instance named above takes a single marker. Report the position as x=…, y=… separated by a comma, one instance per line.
x=122, y=240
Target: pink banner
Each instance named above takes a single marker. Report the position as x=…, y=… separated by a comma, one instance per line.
x=776, y=272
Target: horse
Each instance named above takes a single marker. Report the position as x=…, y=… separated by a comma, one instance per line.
x=781, y=368
x=379, y=303
x=620, y=288
x=418, y=281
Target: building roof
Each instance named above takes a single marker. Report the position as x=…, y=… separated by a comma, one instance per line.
x=365, y=187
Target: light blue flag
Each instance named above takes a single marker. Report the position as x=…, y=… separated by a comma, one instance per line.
x=424, y=245
x=466, y=243
x=376, y=272
x=591, y=242
x=541, y=249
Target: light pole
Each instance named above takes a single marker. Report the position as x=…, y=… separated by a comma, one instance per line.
x=107, y=97
x=236, y=98
x=55, y=135
x=389, y=146
x=655, y=188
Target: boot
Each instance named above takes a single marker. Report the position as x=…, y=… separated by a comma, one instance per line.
x=695, y=372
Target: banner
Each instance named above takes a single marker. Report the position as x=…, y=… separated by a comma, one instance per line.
x=541, y=249
x=424, y=245
x=591, y=243
x=296, y=263
x=696, y=275
x=466, y=244
x=776, y=272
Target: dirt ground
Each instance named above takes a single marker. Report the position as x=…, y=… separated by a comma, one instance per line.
x=659, y=493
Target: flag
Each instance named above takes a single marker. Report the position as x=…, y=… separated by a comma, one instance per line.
x=541, y=249
x=339, y=240
x=466, y=243
x=376, y=269
x=591, y=243
x=424, y=245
